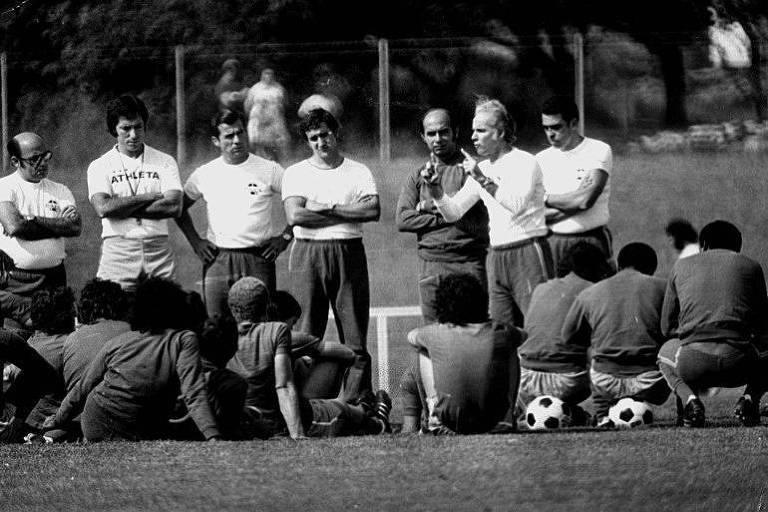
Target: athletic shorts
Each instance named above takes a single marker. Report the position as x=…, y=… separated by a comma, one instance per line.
x=570, y=387
x=648, y=386
x=126, y=260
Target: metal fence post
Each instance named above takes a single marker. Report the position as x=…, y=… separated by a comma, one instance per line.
x=4, y=105
x=384, y=134
x=578, y=79
x=181, y=122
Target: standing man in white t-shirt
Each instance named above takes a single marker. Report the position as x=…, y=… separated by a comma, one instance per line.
x=239, y=189
x=36, y=215
x=134, y=188
x=577, y=173
x=327, y=197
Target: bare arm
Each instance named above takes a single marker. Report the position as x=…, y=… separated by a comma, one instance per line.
x=37, y=228
x=365, y=210
x=121, y=207
x=298, y=215
x=582, y=198
x=287, y=396
x=203, y=248
x=413, y=215
x=167, y=206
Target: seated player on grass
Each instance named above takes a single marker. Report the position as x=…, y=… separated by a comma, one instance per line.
x=715, y=310
x=34, y=378
x=129, y=390
x=465, y=369
x=263, y=358
x=620, y=317
x=549, y=365
x=52, y=312
x=683, y=237
x=318, y=365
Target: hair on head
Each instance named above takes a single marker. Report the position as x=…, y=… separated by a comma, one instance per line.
x=225, y=116
x=504, y=121
x=315, y=119
x=586, y=260
x=53, y=310
x=102, y=299
x=682, y=233
x=720, y=234
x=561, y=105
x=218, y=340
x=638, y=256
x=283, y=306
x=460, y=299
x=128, y=106
x=159, y=304
x=248, y=299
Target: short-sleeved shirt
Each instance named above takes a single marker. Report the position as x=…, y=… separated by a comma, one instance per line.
x=81, y=347
x=563, y=173
x=254, y=360
x=44, y=199
x=346, y=184
x=239, y=200
x=471, y=371
x=119, y=175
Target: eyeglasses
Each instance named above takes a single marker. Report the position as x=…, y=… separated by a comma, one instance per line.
x=36, y=160
x=318, y=136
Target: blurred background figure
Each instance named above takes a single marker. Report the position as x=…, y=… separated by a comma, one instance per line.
x=683, y=237
x=230, y=91
x=265, y=108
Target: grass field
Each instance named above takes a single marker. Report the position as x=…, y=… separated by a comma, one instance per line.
x=664, y=468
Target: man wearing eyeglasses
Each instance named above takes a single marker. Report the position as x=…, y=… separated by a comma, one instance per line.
x=36, y=215
x=327, y=198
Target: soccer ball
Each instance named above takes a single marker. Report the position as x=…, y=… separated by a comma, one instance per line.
x=547, y=412
x=629, y=413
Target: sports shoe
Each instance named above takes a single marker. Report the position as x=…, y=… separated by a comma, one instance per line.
x=604, y=422
x=693, y=413
x=504, y=427
x=382, y=407
x=366, y=400
x=746, y=411
x=441, y=430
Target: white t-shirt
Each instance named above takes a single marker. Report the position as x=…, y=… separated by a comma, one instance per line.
x=516, y=212
x=563, y=172
x=346, y=184
x=238, y=200
x=44, y=199
x=119, y=175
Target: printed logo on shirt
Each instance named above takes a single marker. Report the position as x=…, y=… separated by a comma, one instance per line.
x=120, y=176
x=52, y=206
x=257, y=188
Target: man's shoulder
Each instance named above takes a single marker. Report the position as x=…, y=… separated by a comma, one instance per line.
x=152, y=155
x=300, y=166
x=55, y=186
x=9, y=180
x=547, y=153
x=262, y=164
x=596, y=144
x=353, y=165
x=102, y=159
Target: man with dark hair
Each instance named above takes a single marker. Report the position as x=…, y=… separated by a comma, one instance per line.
x=240, y=190
x=510, y=184
x=684, y=238
x=36, y=215
x=465, y=371
x=129, y=390
x=715, y=312
x=102, y=311
x=549, y=365
x=577, y=173
x=619, y=318
x=327, y=198
x=134, y=189
x=263, y=358
x=443, y=247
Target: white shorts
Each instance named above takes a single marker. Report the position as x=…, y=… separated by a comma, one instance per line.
x=570, y=387
x=126, y=260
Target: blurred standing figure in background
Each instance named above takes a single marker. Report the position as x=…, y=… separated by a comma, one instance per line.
x=264, y=106
x=230, y=92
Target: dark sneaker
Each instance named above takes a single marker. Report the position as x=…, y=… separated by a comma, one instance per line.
x=680, y=411
x=580, y=417
x=693, y=414
x=382, y=407
x=746, y=411
x=441, y=430
x=504, y=427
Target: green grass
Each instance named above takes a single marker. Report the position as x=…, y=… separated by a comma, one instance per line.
x=654, y=469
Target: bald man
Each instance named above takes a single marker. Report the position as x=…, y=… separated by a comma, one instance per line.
x=36, y=215
x=444, y=247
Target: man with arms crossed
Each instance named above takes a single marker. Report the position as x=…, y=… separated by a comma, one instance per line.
x=577, y=180
x=239, y=189
x=134, y=188
x=444, y=247
x=327, y=197
x=36, y=215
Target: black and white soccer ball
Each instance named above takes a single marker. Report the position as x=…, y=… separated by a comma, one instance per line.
x=547, y=412
x=629, y=413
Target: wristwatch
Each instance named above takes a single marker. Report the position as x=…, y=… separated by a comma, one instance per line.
x=287, y=235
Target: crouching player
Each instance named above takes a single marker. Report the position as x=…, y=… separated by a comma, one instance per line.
x=715, y=309
x=263, y=358
x=466, y=372
x=620, y=317
x=549, y=365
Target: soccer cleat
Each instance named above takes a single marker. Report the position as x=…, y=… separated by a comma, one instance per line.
x=605, y=422
x=693, y=414
x=504, y=427
x=366, y=400
x=441, y=430
x=746, y=411
x=382, y=407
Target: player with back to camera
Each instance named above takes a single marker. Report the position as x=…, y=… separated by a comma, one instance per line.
x=36, y=215
x=683, y=238
x=130, y=388
x=577, y=178
x=715, y=312
x=465, y=369
x=240, y=189
x=549, y=365
x=443, y=247
x=509, y=182
x=134, y=189
x=327, y=198
x=263, y=359
x=619, y=319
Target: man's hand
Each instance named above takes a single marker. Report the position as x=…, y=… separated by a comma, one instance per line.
x=49, y=423
x=471, y=168
x=70, y=212
x=206, y=251
x=427, y=206
x=274, y=247
x=431, y=178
